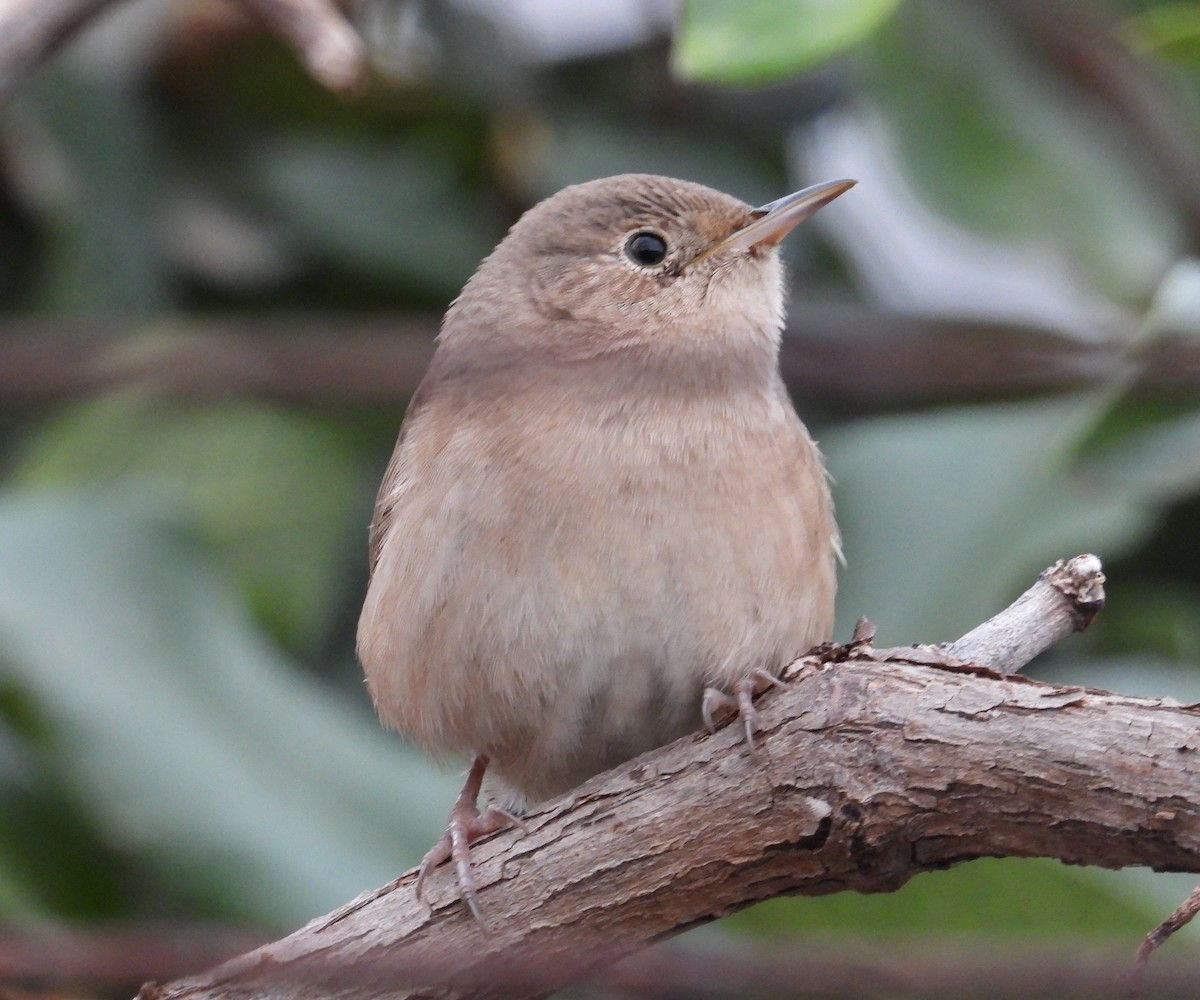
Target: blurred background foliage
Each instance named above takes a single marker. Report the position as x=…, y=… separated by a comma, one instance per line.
x=183, y=730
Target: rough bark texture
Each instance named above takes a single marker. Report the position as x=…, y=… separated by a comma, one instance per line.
x=867, y=773
x=1065, y=599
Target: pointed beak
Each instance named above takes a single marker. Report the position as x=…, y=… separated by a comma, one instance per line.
x=771, y=223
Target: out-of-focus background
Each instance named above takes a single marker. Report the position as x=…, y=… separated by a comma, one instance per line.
x=219, y=283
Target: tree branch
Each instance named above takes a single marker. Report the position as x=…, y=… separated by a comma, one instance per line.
x=325, y=41
x=889, y=361
x=106, y=959
x=1066, y=598
x=1184, y=914
x=31, y=30
x=870, y=770
x=327, y=44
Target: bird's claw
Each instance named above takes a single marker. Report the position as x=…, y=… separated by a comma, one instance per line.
x=465, y=826
x=740, y=702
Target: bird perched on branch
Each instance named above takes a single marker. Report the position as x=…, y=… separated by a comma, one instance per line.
x=603, y=522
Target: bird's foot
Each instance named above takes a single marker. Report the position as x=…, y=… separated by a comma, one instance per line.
x=739, y=702
x=465, y=826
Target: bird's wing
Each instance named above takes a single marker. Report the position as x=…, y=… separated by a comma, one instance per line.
x=385, y=500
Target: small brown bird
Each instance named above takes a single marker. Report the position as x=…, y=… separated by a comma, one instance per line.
x=603, y=520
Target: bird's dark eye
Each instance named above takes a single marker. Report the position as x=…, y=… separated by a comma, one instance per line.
x=646, y=249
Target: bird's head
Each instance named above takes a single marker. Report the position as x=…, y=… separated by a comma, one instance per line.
x=635, y=261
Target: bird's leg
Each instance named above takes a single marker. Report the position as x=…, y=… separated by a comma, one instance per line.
x=466, y=825
x=740, y=702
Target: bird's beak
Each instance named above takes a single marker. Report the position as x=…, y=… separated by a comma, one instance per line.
x=771, y=223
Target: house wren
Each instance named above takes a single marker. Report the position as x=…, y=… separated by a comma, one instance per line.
x=603, y=520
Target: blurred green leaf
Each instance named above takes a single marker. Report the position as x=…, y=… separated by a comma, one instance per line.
x=996, y=897
x=188, y=739
x=998, y=142
x=102, y=171
x=1152, y=443
x=18, y=900
x=1169, y=29
x=759, y=41
x=1150, y=622
x=1159, y=458
x=1143, y=673
x=948, y=516
x=278, y=493
x=53, y=862
x=19, y=891
x=394, y=210
x=1175, y=308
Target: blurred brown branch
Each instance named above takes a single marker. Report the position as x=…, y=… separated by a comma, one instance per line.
x=324, y=40
x=30, y=30
x=117, y=959
x=845, y=357
x=324, y=359
x=958, y=969
x=874, y=765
